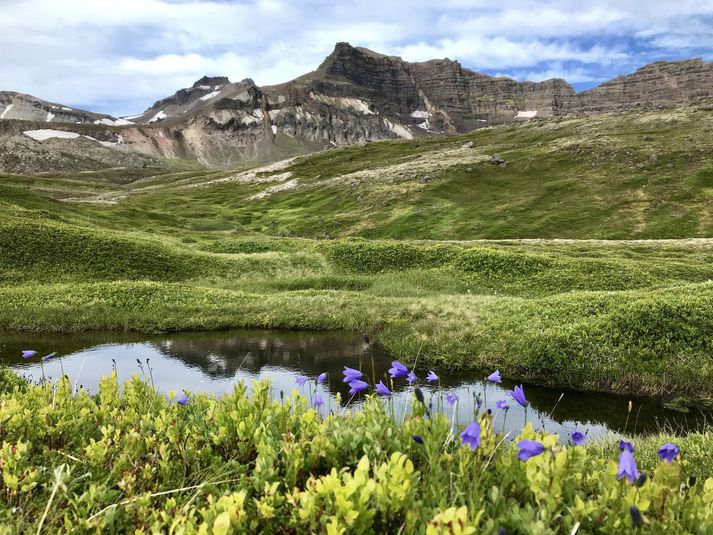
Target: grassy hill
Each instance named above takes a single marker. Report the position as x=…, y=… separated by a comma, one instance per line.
x=541, y=268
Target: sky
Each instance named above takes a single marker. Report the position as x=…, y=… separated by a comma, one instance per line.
x=119, y=56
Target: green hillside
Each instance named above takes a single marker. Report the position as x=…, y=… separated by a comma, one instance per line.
x=449, y=257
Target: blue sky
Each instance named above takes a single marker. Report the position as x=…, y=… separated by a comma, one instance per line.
x=119, y=57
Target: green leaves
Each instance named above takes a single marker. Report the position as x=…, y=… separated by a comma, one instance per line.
x=128, y=459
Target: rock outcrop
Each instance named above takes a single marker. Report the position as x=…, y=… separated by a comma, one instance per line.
x=357, y=95
x=654, y=86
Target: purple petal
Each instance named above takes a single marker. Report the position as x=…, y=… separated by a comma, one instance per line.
x=495, y=377
x=529, y=448
x=668, y=452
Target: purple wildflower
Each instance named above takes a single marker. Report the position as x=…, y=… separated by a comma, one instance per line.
x=495, y=377
x=518, y=395
x=578, y=438
x=529, y=448
x=411, y=378
x=451, y=399
x=635, y=516
x=28, y=353
x=301, y=380
x=627, y=464
x=50, y=356
x=318, y=401
x=624, y=445
x=417, y=439
x=471, y=436
x=382, y=389
x=357, y=386
x=183, y=400
x=501, y=404
x=668, y=452
x=350, y=374
x=397, y=370
x=322, y=378
x=432, y=377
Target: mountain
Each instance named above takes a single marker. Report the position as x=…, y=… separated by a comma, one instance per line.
x=355, y=96
x=28, y=108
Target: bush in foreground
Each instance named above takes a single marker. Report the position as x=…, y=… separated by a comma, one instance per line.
x=132, y=459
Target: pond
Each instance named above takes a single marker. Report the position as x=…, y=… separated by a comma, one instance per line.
x=215, y=361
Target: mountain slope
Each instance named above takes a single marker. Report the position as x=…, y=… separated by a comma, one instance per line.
x=355, y=96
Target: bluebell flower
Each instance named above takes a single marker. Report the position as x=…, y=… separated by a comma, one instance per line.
x=627, y=465
x=501, y=404
x=382, y=389
x=411, y=378
x=357, y=386
x=397, y=370
x=28, y=353
x=519, y=395
x=471, y=436
x=495, y=377
x=432, y=377
x=451, y=399
x=350, y=374
x=578, y=438
x=417, y=439
x=318, y=401
x=529, y=448
x=301, y=380
x=48, y=357
x=183, y=400
x=322, y=378
x=668, y=452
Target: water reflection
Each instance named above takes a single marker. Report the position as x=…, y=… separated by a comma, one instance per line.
x=215, y=361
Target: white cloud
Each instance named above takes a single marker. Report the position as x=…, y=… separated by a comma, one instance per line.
x=94, y=53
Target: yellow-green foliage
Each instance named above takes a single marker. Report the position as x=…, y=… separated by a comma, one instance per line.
x=130, y=459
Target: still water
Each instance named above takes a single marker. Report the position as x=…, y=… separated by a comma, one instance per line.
x=215, y=361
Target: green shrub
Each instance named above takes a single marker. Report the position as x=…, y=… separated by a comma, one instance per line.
x=501, y=262
x=130, y=459
x=379, y=256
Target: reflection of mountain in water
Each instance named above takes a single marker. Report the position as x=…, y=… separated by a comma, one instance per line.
x=222, y=355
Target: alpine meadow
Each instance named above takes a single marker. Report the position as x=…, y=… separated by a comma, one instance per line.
x=508, y=249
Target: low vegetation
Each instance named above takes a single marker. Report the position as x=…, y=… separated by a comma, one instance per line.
x=207, y=250
x=130, y=459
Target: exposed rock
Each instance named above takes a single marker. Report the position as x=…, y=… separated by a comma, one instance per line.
x=468, y=145
x=496, y=159
x=357, y=96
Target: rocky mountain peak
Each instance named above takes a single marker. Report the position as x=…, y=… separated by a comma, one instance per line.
x=212, y=81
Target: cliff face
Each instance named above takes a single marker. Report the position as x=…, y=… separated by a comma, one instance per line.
x=355, y=96
x=658, y=85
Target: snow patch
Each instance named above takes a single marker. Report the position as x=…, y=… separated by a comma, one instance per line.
x=274, y=129
x=526, y=114
x=273, y=113
x=110, y=122
x=45, y=133
x=160, y=115
x=281, y=99
x=398, y=129
x=421, y=114
x=65, y=108
x=4, y=112
x=50, y=116
x=204, y=87
x=128, y=118
x=210, y=95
